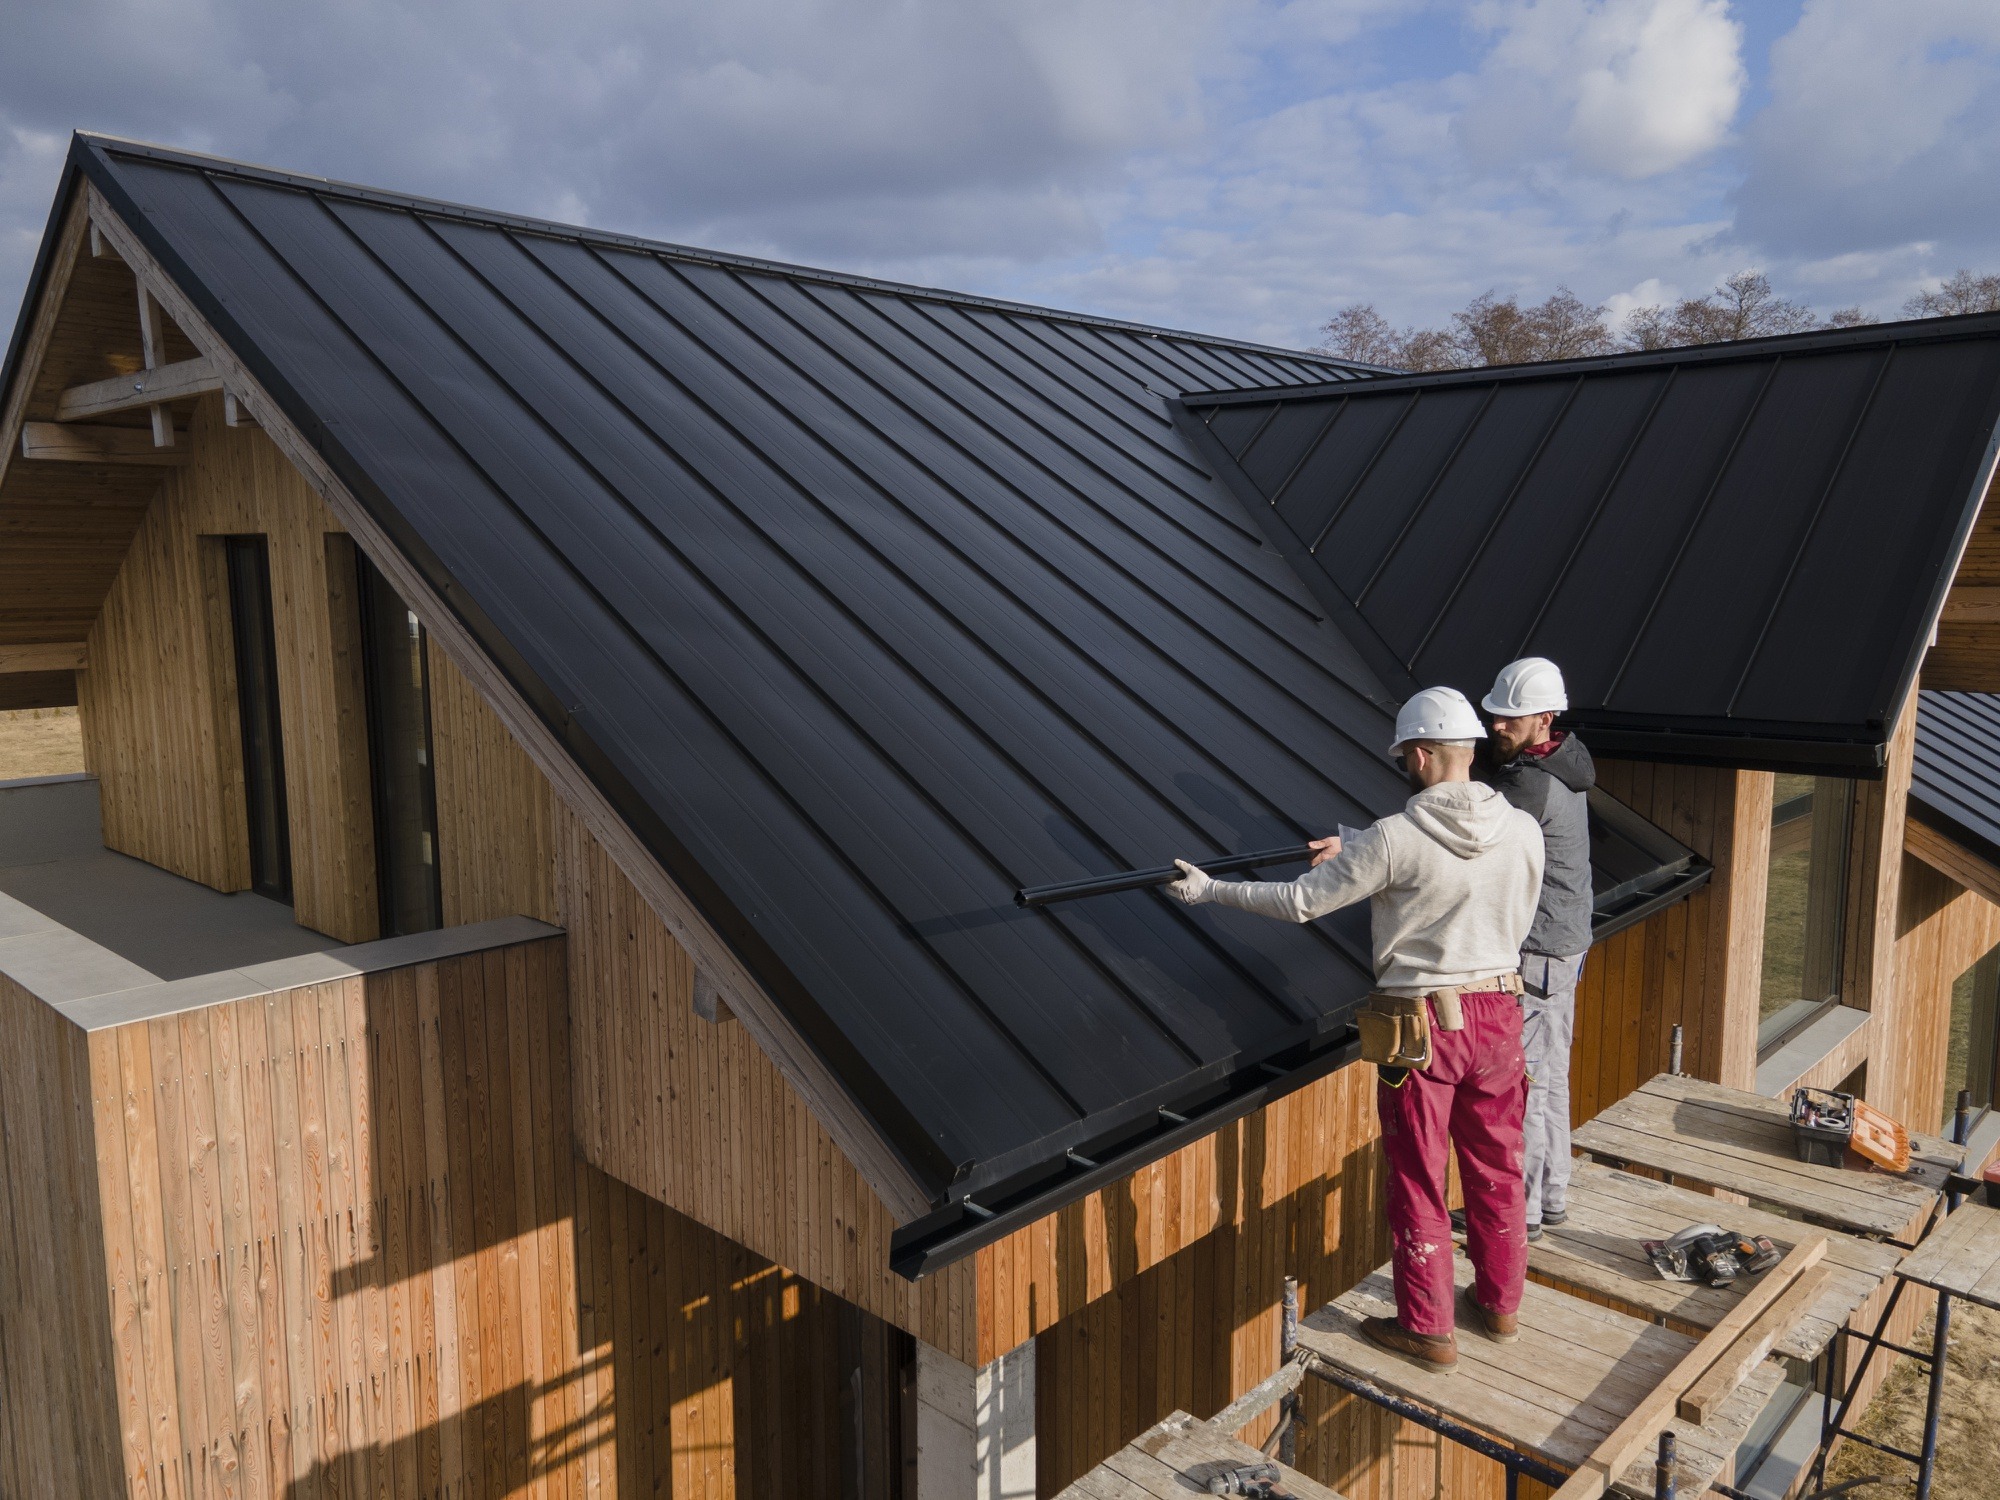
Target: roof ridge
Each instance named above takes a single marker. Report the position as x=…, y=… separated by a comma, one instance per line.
x=416, y=202
x=1810, y=341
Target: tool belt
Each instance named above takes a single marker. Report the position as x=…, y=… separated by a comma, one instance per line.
x=1396, y=1029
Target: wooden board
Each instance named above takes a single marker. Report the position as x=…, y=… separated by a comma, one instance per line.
x=1961, y=1256
x=1176, y=1458
x=1611, y=1212
x=1731, y=1139
x=1575, y=1374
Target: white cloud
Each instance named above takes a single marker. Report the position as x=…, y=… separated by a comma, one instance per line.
x=1627, y=88
x=1883, y=131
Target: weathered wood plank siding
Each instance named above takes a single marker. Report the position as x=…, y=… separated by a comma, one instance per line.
x=159, y=699
x=335, y=1240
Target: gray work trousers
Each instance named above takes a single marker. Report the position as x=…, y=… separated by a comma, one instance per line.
x=1548, y=1006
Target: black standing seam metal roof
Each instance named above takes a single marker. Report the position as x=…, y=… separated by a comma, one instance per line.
x=1735, y=552
x=864, y=605
x=1955, y=772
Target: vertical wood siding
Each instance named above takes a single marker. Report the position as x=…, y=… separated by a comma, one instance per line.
x=158, y=701
x=60, y=1414
x=341, y=1245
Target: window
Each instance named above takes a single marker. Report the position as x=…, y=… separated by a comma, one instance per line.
x=396, y=682
x=1804, y=903
x=248, y=563
x=1974, y=1042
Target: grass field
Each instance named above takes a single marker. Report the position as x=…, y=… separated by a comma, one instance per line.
x=40, y=742
x=1969, y=1418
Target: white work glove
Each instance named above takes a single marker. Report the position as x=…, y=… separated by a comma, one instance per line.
x=1194, y=886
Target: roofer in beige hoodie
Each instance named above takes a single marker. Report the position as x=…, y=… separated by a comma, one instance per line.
x=1452, y=881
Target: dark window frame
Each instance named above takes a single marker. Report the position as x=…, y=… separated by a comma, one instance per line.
x=1824, y=941
x=375, y=599
x=259, y=715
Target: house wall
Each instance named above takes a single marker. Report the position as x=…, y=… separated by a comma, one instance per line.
x=343, y=1245
x=159, y=698
x=59, y=1414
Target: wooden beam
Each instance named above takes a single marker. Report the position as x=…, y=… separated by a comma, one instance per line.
x=1943, y=854
x=153, y=337
x=100, y=247
x=64, y=442
x=100, y=398
x=234, y=412
x=1972, y=604
x=1641, y=1429
x=63, y=656
x=878, y=1162
x=48, y=307
x=1705, y=1397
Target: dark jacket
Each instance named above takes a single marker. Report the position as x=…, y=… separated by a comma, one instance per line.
x=1551, y=789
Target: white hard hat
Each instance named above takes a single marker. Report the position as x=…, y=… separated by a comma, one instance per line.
x=1532, y=685
x=1437, y=714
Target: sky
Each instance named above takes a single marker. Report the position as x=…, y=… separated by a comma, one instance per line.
x=1229, y=166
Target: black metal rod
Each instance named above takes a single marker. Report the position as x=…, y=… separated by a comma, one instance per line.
x=1834, y=1419
x=1465, y=1437
x=1904, y=1349
x=1663, y=1468
x=1927, y=1462
x=1288, y=1343
x=1135, y=880
x=1889, y=1448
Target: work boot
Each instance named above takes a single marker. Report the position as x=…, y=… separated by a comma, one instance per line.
x=1433, y=1351
x=1554, y=1218
x=1502, y=1328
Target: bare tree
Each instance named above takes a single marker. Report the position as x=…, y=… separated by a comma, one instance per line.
x=1496, y=330
x=1493, y=330
x=1358, y=332
x=1742, y=307
x=1962, y=292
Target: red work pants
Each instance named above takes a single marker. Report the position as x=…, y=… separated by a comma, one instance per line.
x=1472, y=1096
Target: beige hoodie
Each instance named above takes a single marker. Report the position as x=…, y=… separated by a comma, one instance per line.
x=1452, y=880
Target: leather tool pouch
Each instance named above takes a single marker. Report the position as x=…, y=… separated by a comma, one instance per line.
x=1450, y=1013
x=1395, y=1033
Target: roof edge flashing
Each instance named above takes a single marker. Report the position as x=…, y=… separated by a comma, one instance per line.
x=529, y=224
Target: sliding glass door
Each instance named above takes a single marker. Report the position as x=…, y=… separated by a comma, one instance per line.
x=248, y=562
x=396, y=680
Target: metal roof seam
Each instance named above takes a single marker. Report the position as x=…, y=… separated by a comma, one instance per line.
x=1417, y=510
x=1347, y=499
x=1493, y=526
x=1145, y=642
x=1393, y=681
x=1693, y=524
x=1154, y=443
x=1812, y=523
x=1264, y=586
x=1334, y=409
x=1589, y=526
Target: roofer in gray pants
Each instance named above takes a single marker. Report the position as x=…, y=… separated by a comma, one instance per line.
x=1546, y=772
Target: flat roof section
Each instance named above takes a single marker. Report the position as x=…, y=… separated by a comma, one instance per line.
x=53, y=859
